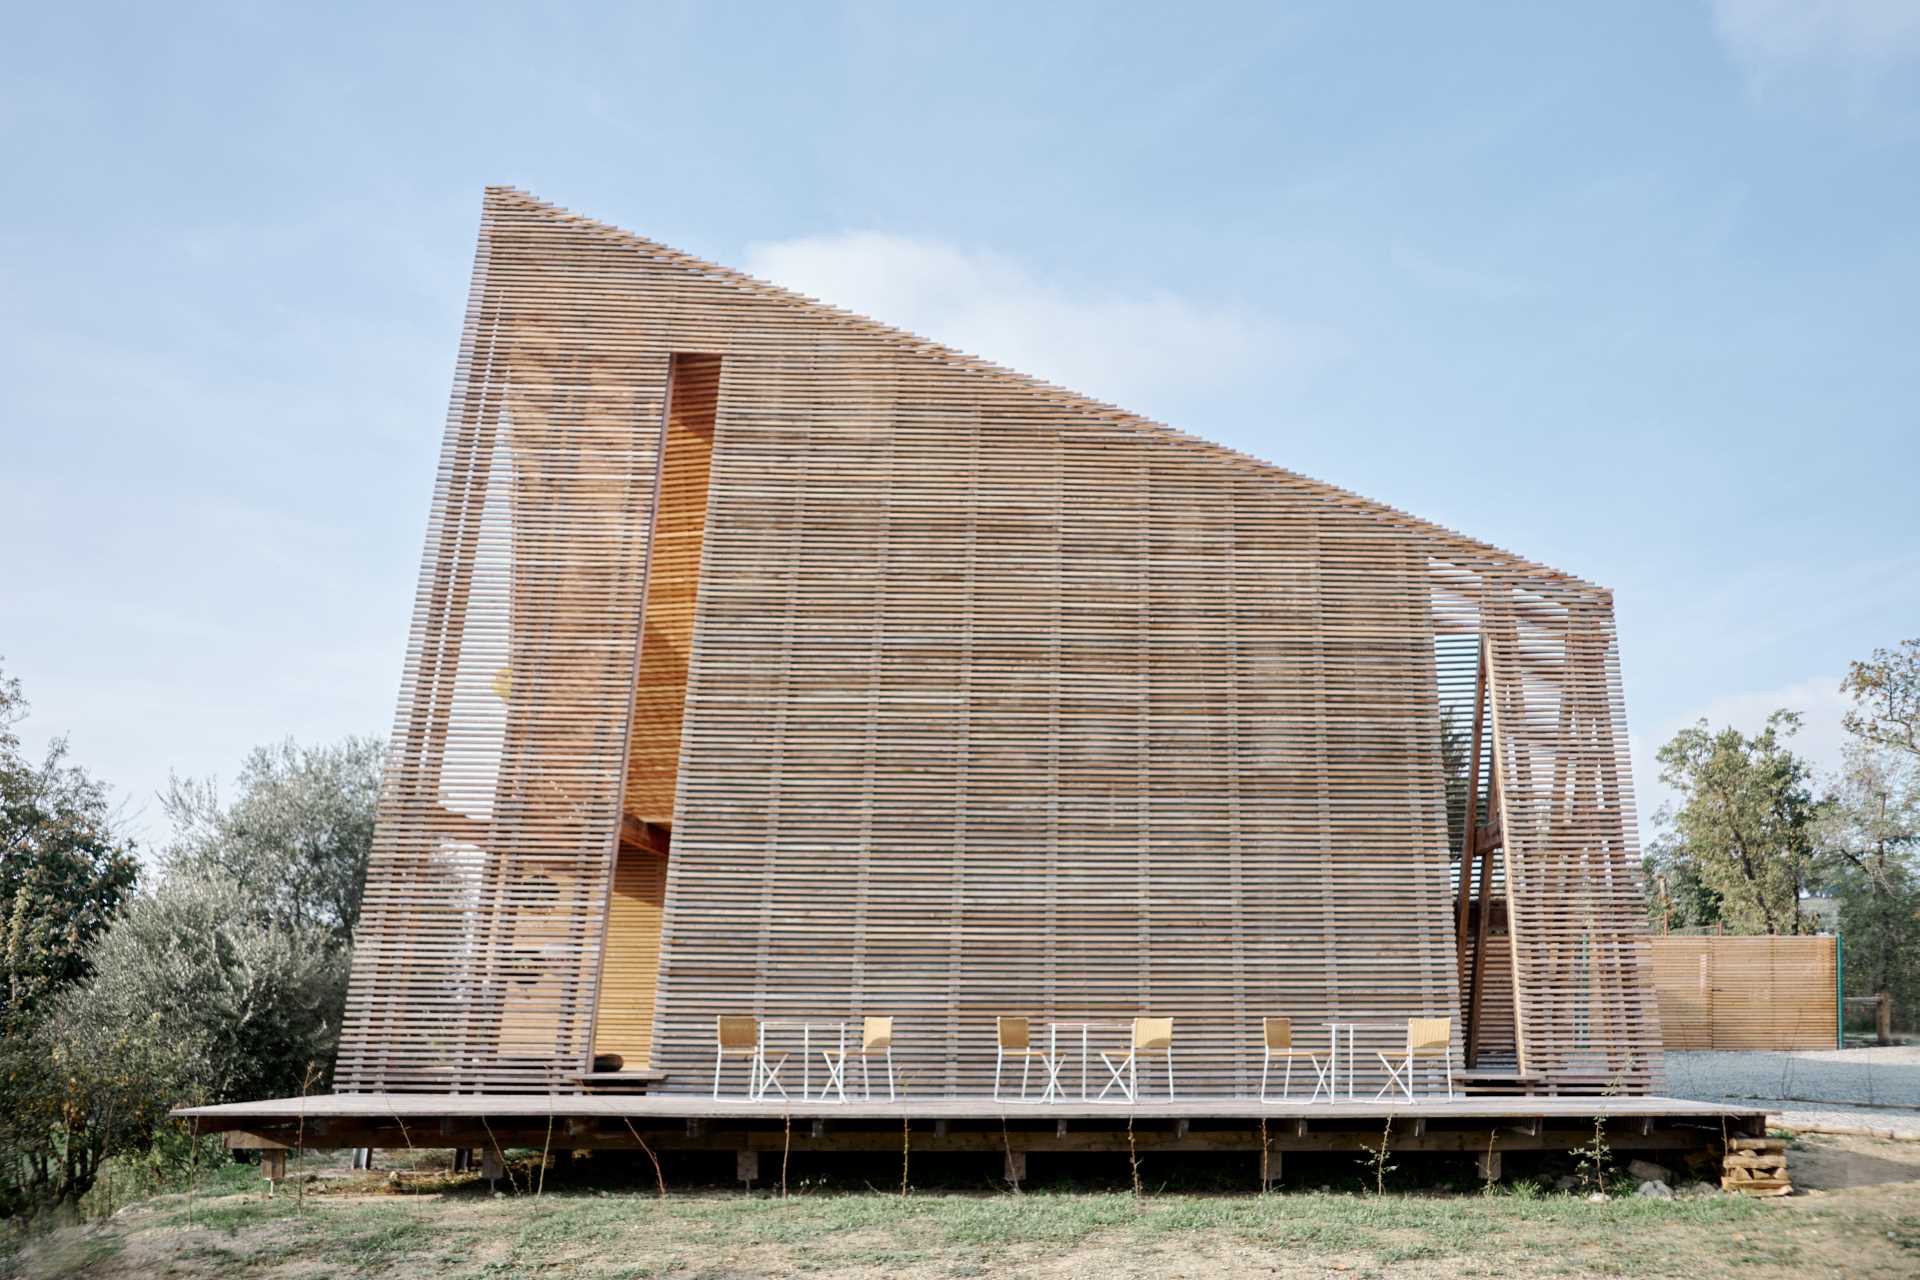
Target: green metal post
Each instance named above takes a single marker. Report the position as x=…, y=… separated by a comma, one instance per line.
x=1839, y=990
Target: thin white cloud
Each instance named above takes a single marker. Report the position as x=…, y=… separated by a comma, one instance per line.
x=1139, y=352
x=1771, y=39
x=1822, y=735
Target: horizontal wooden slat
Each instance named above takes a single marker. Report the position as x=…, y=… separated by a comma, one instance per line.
x=1744, y=992
x=996, y=700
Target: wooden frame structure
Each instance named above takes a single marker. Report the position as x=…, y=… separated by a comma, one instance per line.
x=770, y=660
x=1487, y=1128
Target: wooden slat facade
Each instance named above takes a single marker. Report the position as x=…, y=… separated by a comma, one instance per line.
x=974, y=696
x=1747, y=992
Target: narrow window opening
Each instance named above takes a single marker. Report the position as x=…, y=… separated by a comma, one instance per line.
x=630, y=972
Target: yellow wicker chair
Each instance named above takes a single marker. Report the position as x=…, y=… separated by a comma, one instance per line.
x=1277, y=1042
x=1427, y=1039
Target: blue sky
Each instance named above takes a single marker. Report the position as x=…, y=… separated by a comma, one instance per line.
x=1628, y=287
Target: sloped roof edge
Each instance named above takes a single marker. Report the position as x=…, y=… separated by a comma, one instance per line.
x=1113, y=414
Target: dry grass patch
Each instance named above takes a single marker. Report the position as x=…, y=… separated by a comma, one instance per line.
x=1861, y=1216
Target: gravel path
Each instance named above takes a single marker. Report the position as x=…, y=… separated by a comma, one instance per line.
x=1877, y=1088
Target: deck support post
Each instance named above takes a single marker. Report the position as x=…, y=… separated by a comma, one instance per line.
x=491, y=1167
x=273, y=1167
x=1016, y=1168
x=746, y=1167
x=363, y=1158
x=1487, y=1163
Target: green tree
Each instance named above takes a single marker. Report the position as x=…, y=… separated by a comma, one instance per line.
x=64, y=872
x=77, y=1090
x=1744, y=821
x=296, y=837
x=63, y=869
x=1676, y=896
x=1872, y=828
x=240, y=1007
x=1456, y=763
x=1886, y=698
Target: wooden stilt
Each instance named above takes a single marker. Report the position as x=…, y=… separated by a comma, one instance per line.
x=491, y=1168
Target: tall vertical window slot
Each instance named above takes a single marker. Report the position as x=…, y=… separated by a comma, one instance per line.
x=630, y=971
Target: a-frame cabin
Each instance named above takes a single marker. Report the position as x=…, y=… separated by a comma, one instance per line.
x=770, y=660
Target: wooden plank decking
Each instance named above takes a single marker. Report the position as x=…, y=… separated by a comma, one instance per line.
x=1482, y=1127
x=681, y=1107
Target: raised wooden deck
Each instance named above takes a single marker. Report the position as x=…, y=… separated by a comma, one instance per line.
x=430, y=1106
x=1482, y=1126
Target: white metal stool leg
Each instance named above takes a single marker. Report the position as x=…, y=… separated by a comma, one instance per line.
x=770, y=1078
x=1122, y=1072
x=1401, y=1076
x=836, y=1075
x=1053, y=1087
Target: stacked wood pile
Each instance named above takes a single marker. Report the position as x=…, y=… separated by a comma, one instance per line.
x=1756, y=1167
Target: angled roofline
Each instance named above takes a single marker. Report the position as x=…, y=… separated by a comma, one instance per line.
x=498, y=195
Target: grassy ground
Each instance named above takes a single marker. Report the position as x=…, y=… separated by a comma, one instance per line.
x=1859, y=1215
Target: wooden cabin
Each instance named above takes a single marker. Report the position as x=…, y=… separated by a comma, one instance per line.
x=768, y=660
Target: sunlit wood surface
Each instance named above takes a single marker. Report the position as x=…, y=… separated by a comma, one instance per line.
x=985, y=698
x=1747, y=992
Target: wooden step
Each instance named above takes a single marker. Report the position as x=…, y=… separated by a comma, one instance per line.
x=619, y=1081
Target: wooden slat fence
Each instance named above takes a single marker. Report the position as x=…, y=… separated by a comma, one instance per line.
x=1746, y=992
